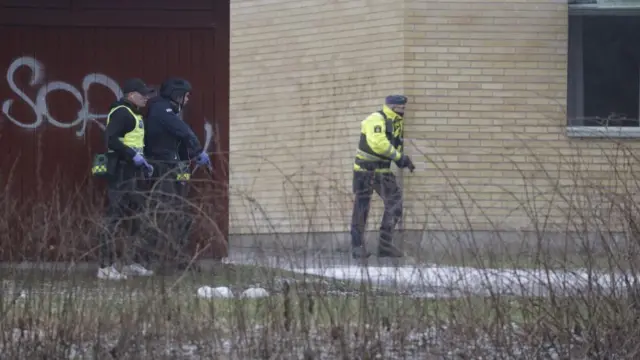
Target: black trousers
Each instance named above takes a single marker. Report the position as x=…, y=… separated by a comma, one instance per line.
x=125, y=201
x=171, y=213
x=386, y=186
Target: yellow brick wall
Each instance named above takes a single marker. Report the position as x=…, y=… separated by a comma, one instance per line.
x=486, y=124
x=304, y=73
x=488, y=82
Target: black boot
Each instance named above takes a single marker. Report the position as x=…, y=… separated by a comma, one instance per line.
x=389, y=251
x=360, y=253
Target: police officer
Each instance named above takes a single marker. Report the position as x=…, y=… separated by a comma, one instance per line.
x=381, y=142
x=125, y=142
x=169, y=141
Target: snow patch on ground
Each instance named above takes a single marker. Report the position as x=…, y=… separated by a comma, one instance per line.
x=223, y=292
x=255, y=292
x=433, y=281
x=427, y=280
x=220, y=292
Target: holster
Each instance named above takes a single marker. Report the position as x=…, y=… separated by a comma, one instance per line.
x=372, y=165
x=113, y=163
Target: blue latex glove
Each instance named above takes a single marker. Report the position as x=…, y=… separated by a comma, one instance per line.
x=139, y=161
x=203, y=159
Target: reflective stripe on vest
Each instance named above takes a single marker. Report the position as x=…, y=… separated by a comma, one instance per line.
x=134, y=138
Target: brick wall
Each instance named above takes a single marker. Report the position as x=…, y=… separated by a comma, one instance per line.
x=488, y=80
x=304, y=73
x=486, y=124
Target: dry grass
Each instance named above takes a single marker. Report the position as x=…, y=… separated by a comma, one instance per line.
x=153, y=319
x=70, y=315
x=162, y=319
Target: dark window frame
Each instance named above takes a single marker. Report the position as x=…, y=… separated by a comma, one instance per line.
x=575, y=78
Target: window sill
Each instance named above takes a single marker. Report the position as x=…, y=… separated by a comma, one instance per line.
x=602, y=132
x=622, y=9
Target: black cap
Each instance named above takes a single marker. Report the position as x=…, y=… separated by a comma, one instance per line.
x=395, y=100
x=136, y=85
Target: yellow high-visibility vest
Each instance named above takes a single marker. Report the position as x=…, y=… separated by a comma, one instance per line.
x=134, y=138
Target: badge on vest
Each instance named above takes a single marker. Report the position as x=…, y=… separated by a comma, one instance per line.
x=377, y=129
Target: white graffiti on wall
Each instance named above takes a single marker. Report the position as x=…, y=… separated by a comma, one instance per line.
x=40, y=108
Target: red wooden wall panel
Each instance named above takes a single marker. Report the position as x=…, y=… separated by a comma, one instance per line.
x=59, y=81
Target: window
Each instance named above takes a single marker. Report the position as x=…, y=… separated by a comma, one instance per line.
x=603, y=97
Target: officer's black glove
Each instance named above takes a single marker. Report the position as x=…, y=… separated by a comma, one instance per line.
x=405, y=162
x=401, y=163
x=411, y=167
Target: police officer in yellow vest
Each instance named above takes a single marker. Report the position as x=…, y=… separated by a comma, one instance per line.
x=381, y=142
x=125, y=142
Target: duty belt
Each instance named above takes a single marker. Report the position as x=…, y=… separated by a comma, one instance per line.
x=177, y=167
x=137, y=150
x=373, y=165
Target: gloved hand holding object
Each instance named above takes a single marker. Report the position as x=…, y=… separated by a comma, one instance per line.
x=405, y=162
x=148, y=171
x=411, y=167
x=139, y=160
x=203, y=159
